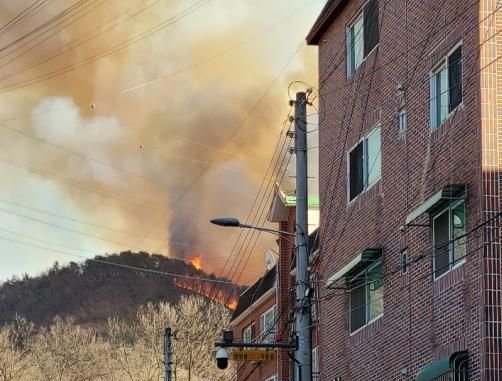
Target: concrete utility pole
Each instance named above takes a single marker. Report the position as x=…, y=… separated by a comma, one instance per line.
x=168, y=354
x=303, y=354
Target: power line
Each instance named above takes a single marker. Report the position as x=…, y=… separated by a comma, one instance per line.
x=67, y=181
x=261, y=204
x=120, y=46
x=104, y=227
x=25, y=13
x=72, y=46
x=117, y=264
x=60, y=16
x=233, y=133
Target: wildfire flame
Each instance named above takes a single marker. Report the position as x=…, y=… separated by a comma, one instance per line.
x=232, y=305
x=206, y=289
x=196, y=262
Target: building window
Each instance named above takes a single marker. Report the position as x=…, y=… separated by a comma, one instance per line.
x=446, y=87
x=403, y=262
x=365, y=164
x=248, y=333
x=402, y=121
x=448, y=230
x=315, y=364
x=362, y=36
x=366, y=296
x=267, y=325
x=273, y=378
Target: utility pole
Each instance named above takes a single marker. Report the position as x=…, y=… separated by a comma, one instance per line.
x=303, y=353
x=168, y=354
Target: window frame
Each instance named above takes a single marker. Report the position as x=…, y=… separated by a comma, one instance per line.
x=270, y=336
x=402, y=116
x=433, y=95
x=403, y=262
x=351, y=68
x=366, y=184
x=272, y=378
x=452, y=263
x=348, y=48
x=252, y=328
x=368, y=319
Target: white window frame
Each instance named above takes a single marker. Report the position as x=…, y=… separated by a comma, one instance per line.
x=250, y=328
x=273, y=378
x=433, y=90
x=451, y=254
x=348, y=43
x=351, y=66
x=270, y=336
x=402, y=121
x=367, y=185
x=366, y=306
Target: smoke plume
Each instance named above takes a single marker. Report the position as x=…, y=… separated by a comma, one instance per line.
x=161, y=134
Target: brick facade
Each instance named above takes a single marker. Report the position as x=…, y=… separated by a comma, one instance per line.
x=423, y=319
x=255, y=371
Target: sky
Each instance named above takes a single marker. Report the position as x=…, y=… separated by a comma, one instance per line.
x=128, y=124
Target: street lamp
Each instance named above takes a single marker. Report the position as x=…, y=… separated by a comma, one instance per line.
x=234, y=222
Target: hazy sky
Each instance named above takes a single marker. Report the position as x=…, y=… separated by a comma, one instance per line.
x=127, y=124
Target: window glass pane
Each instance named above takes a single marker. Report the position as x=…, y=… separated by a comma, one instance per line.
x=433, y=106
x=458, y=227
x=404, y=262
x=375, y=280
x=443, y=97
x=357, y=305
x=455, y=78
x=356, y=183
x=441, y=236
x=402, y=121
x=371, y=27
x=350, y=52
x=268, y=325
x=374, y=157
x=358, y=42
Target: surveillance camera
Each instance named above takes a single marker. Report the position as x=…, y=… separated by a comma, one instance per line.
x=222, y=358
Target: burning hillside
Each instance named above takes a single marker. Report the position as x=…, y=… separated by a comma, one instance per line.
x=92, y=292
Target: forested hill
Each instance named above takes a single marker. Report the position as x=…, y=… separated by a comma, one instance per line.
x=92, y=291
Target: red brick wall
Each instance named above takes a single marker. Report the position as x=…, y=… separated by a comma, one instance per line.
x=285, y=286
x=423, y=320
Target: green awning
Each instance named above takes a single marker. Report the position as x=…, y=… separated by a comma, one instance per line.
x=434, y=370
x=362, y=260
x=447, y=195
x=452, y=363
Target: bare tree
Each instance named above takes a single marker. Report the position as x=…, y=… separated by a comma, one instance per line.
x=67, y=352
x=196, y=323
x=15, y=350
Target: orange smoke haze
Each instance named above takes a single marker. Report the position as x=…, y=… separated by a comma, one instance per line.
x=144, y=119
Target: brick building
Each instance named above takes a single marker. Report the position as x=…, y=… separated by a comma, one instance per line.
x=264, y=312
x=409, y=160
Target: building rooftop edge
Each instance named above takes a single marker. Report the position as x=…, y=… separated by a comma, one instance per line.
x=328, y=15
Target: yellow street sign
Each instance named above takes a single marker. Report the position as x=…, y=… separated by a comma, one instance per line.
x=252, y=355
